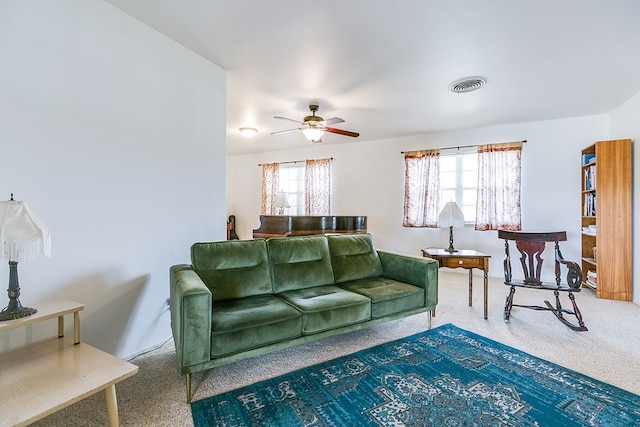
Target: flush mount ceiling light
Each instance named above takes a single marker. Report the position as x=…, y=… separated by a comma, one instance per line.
x=248, y=132
x=468, y=84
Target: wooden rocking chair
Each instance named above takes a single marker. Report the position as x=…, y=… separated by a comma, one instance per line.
x=531, y=246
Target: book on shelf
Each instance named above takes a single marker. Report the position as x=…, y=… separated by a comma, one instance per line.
x=588, y=158
x=591, y=284
x=590, y=178
x=590, y=204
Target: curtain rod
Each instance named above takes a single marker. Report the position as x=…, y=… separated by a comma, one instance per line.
x=294, y=161
x=524, y=141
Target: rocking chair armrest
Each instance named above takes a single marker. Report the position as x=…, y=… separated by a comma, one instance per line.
x=574, y=273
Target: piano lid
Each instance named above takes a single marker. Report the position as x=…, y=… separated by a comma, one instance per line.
x=302, y=225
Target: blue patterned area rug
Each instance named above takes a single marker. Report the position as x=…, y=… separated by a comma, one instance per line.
x=442, y=377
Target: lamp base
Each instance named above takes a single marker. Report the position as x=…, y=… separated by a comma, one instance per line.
x=451, y=249
x=12, y=313
x=15, y=310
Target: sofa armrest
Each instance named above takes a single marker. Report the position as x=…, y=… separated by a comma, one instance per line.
x=414, y=270
x=190, y=304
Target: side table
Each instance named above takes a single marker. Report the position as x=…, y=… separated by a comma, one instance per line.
x=468, y=259
x=41, y=378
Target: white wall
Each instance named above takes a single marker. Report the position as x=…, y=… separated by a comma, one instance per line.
x=369, y=180
x=115, y=137
x=625, y=124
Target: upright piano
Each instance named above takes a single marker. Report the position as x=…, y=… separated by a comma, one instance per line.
x=301, y=225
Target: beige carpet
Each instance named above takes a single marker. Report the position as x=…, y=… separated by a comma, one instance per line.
x=609, y=351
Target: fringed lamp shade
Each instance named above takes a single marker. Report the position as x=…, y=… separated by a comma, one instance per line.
x=451, y=216
x=23, y=237
x=281, y=202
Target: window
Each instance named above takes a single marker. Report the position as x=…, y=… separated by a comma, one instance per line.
x=459, y=181
x=297, y=188
x=292, y=184
x=484, y=182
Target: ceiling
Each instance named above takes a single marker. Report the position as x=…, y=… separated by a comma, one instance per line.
x=385, y=66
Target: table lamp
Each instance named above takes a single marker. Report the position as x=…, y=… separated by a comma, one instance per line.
x=281, y=202
x=451, y=216
x=22, y=237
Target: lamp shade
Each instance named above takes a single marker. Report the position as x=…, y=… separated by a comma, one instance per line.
x=281, y=200
x=312, y=133
x=22, y=235
x=451, y=216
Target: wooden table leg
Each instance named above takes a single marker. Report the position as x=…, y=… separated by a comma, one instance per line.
x=112, y=405
x=470, y=287
x=76, y=327
x=486, y=291
x=60, y=326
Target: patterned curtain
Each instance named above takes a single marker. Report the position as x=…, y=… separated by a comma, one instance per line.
x=270, y=182
x=421, y=188
x=317, y=182
x=498, y=203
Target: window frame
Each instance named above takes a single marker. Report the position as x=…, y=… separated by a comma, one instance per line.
x=296, y=198
x=459, y=188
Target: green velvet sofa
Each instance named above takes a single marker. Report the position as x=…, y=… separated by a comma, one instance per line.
x=242, y=298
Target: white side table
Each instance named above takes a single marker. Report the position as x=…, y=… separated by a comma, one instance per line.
x=41, y=378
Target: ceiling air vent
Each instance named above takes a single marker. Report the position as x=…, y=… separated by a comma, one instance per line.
x=468, y=84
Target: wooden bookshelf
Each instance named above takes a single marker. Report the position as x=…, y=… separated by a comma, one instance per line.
x=606, y=218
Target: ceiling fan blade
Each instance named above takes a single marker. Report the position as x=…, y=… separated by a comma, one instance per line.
x=284, y=131
x=286, y=118
x=342, y=132
x=333, y=121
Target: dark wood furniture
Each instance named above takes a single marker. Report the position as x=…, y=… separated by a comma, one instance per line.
x=302, y=225
x=231, y=228
x=531, y=247
x=468, y=259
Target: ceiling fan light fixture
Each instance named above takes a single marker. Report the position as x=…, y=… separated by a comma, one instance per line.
x=248, y=132
x=313, y=127
x=468, y=84
x=313, y=134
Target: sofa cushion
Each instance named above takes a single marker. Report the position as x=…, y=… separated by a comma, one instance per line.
x=353, y=256
x=233, y=269
x=242, y=324
x=387, y=296
x=328, y=307
x=299, y=262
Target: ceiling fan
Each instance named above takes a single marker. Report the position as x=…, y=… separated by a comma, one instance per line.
x=313, y=127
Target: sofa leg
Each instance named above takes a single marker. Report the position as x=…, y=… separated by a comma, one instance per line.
x=429, y=319
x=188, y=383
